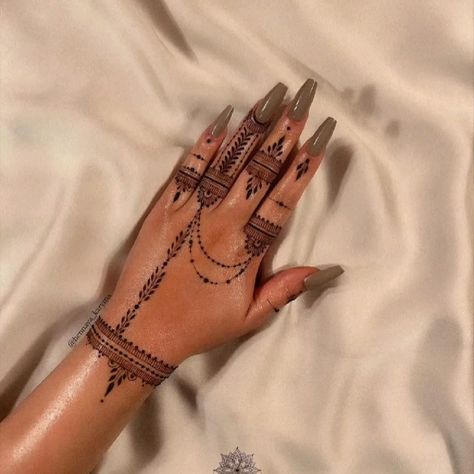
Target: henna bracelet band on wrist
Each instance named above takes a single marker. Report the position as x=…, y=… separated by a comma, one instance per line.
x=126, y=357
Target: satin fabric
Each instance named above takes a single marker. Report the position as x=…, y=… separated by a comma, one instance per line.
x=101, y=98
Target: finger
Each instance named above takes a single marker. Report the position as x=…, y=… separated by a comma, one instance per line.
x=283, y=288
x=264, y=167
x=219, y=177
x=275, y=209
x=191, y=170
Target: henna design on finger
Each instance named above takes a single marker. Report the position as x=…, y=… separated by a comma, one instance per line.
x=260, y=234
x=280, y=203
x=213, y=187
x=264, y=167
x=187, y=180
x=302, y=168
x=126, y=359
x=220, y=177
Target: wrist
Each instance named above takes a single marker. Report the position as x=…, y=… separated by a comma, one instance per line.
x=129, y=359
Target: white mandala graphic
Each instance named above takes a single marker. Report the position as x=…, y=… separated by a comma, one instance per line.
x=237, y=461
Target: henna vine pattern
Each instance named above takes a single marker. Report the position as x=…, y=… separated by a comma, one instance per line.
x=219, y=177
x=264, y=167
x=121, y=368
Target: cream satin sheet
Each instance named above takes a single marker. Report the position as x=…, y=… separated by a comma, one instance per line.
x=100, y=99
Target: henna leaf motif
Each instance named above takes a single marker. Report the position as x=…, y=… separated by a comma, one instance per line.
x=276, y=148
x=235, y=151
x=302, y=168
x=254, y=184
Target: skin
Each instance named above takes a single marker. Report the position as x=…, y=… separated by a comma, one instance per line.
x=62, y=426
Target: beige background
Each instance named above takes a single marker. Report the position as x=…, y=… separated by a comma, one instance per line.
x=99, y=99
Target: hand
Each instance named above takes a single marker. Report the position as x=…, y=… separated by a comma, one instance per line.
x=189, y=283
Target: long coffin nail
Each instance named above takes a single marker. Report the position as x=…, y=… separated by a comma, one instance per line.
x=303, y=99
x=321, y=137
x=270, y=103
x=318, y=279
x=217, y=127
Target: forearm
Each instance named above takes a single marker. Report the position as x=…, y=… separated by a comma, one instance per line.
x=62, y=426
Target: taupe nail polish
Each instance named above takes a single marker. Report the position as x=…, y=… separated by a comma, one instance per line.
x=318, y=279
x=317, y=143
x=270, y=103
x=217, y=127
x=303, y=99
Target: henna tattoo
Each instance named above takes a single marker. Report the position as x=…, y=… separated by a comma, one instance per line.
x=198, y=156
x=280, y=203
x=302, y=168
x=260, y=234
x=235, y=151
x=195, y=234
x=219, y=178
x=187, y=179
x=118, y=371
x=213, y=186
x=126, y=360
x=153, y=282
x=264, y=167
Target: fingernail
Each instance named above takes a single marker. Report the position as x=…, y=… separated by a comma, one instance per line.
x=321, y=137
x=217, y=127
x=302, y=100
x=320, y=278
x=270, y=103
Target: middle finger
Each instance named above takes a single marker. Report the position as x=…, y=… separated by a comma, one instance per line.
x=264, y=167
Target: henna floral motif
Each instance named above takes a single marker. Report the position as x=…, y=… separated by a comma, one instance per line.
x=264, y=167
x=187, y=179
x=302, y=168
x=126, y=359
x=260, y=234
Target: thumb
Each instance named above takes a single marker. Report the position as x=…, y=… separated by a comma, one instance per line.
x=283, y=287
